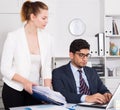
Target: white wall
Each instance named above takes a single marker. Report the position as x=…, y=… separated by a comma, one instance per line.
x=112, y=7
x=91, y=12
x=61, y=12
x=8, y=22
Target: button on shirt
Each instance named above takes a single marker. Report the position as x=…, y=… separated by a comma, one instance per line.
x=77, y=80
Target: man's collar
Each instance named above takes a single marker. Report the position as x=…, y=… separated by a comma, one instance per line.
x=74, y=68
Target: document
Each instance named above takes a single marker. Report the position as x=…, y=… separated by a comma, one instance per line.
x=48, y=95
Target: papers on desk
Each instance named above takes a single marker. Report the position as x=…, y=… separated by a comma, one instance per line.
x=48, y=95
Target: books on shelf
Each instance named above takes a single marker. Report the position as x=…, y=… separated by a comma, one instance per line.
x=99, y=68
x=115, y=29
x=48, y=95
x=111, y=27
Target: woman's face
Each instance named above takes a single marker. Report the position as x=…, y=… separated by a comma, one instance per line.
x=41, y=19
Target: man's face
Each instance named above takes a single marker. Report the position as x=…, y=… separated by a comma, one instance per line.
x=80, y=58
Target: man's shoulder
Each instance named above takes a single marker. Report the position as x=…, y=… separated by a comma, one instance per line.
x=61, y=68
x=88, y=68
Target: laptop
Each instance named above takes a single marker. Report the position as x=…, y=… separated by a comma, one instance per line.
x=104, y=106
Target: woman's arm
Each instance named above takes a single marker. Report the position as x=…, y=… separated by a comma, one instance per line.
x=26, y=83
x=47, y=83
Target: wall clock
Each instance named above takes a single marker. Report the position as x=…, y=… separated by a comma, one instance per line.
x=77, y=27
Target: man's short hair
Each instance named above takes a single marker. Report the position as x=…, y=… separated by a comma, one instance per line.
x=79, y=44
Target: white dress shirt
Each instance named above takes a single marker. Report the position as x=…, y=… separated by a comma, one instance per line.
x=77, y=79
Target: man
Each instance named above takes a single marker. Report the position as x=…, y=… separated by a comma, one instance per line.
x=77, y=82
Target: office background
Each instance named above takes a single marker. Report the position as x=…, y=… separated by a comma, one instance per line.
x=61, y=12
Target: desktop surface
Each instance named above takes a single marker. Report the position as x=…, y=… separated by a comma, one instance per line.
x=56, y=107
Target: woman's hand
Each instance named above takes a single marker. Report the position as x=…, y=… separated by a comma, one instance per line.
x=28, y=86
x=26, y=83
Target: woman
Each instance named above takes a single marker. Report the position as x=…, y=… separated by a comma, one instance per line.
x=26, y=57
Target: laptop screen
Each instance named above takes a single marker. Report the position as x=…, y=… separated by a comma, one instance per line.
x=114, y=98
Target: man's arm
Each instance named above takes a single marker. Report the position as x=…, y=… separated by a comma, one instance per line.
x=99, y=92
x=61, y=85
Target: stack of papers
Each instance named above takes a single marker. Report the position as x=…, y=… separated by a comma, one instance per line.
x=48, y=95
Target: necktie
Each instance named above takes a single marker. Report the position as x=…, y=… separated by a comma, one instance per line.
x=83, y=86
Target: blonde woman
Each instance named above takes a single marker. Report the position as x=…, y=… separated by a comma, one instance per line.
x=26, y=57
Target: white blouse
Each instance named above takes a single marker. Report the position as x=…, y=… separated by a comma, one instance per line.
x=34, y=75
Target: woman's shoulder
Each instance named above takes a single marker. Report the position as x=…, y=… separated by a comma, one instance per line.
x=18, y=30
x=14, y=35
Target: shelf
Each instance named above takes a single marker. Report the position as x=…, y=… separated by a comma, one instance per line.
x=92, y=57
x=113, y=15
x=113, y=56
x=102, y=77
x=113, y=77
x=60, y=58
x=97, y=57
x=113, y=36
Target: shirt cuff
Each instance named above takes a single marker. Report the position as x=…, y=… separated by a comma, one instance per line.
x=83, y=98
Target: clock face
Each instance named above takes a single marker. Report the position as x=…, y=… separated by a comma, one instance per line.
x=77, y=27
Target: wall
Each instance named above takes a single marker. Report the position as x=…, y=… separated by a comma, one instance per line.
x=61, y=12
x=90, y=11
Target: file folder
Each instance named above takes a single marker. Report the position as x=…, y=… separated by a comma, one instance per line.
x=108, y=26
x=48, y=95
x=107, y=49
x=101, y=46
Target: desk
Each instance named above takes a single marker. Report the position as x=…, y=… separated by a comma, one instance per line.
x=55, y=107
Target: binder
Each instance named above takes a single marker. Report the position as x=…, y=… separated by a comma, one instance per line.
x=101, y=46
x=107, y=49
x=48, y=95
x=108, y=26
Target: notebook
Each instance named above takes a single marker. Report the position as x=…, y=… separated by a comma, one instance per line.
x=105, y=106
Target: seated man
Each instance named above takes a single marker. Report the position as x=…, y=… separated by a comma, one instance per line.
x=77, y=82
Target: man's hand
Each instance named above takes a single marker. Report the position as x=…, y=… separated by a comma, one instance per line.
x=107, y=96
x=97, y=98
